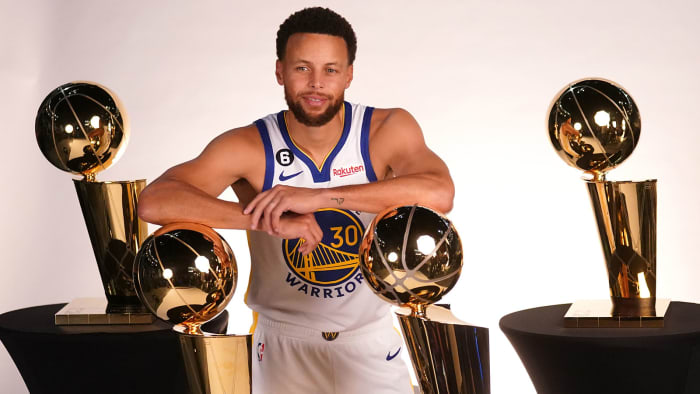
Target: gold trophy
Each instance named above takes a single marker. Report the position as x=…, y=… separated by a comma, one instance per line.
x=411, y=256
x=594, y=125
x=81, y=128
x=186, y=274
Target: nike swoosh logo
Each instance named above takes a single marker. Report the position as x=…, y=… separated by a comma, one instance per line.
x=286, y=178
x=390, y=356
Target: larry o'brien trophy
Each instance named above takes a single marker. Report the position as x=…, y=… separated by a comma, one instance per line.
x=411, y=256
x=186, y=274
x=594, y=125
x=81, y=128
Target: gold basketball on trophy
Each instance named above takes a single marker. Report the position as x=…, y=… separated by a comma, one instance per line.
x=81, y=128
x=411, y=256
x=185, y=274
x=594, y=125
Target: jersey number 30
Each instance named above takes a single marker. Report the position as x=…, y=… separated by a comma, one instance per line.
x=344, y=235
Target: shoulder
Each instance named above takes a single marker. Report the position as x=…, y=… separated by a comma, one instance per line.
x=389, y=113
x=241, y=137
x=241, y=145
x=394, y=136
x=390, y=122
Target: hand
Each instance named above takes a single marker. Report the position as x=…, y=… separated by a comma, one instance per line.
x=269, y=205
x=292, y=225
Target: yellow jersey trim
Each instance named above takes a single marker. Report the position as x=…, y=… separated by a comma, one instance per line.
x=342, y=127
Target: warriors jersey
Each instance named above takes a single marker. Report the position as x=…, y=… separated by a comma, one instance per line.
x=323, y=290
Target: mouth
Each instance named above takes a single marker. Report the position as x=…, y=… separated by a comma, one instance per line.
x=315, y=100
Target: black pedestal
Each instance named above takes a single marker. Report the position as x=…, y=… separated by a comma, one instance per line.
x=142, y=358
x=608, y=360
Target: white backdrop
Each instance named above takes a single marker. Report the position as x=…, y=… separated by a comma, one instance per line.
x=478, y=76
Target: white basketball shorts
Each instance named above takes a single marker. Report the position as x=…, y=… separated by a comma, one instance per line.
x=293, y=359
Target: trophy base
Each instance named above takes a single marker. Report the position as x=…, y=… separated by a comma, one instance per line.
x=216, y=363
x=94, y=311
x=125, y=304
x=448, y=355
x=637, y=313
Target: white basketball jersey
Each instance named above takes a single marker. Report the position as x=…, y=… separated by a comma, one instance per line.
x=323, y=290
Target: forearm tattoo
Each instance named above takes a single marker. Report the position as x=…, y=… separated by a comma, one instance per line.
x=338, y=200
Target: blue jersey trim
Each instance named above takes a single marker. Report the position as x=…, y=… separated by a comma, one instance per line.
x=323, y=175
x=269, y=163
x=364, y=144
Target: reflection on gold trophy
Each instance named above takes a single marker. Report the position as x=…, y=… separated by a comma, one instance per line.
x=81, y=128
x=411, y=256
x=594, y=125
x=186, y=275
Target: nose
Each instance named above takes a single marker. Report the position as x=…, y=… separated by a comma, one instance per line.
x=316, y=79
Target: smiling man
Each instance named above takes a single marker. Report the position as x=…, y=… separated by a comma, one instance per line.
x=309, y=180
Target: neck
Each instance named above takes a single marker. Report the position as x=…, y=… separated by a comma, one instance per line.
x=316, y=141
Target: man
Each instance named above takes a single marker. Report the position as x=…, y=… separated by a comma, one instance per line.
x=309, y=180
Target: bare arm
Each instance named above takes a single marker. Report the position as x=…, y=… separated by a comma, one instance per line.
x=410, y=173
x=188, y=192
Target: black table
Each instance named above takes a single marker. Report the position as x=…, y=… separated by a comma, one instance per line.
x=142, y=358
x=608, y=360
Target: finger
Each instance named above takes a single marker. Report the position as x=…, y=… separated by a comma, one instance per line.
x=312, y=241
x=315, y=236
x=304, y=248
x=276, y=214
x=256, y=206
x=266, y=229
x=269, y=213
x=259, y=207
x=313, y=228
x=309, y=247
x=312, y=238
x=317, y=231
x=251, y=205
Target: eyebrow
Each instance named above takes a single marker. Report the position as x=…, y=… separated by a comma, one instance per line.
x=310, y=62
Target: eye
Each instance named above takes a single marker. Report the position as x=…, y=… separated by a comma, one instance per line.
x=331, y=70
x=302, y=68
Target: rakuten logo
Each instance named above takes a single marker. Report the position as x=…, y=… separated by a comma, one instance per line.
x=345, y=171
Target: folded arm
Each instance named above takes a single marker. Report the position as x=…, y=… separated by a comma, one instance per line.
x=409, y=173
x=189, y=192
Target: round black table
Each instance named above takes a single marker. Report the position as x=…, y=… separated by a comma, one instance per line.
x=143, y=358
x=608, y=360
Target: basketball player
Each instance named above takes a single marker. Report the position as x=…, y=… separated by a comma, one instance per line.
x=309, y=180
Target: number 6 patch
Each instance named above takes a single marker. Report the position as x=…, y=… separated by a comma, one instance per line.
x=284, y=157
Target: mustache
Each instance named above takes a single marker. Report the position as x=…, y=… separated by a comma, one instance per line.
x=312, y=93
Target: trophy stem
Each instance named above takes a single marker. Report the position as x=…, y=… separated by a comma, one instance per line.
x=193, y=328
x=109, y=209
x=595, y=176
x=217, y=364
x=417, y=310
x=447, y=357
x=626, y=217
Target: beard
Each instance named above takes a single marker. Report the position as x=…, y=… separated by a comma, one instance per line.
x=309, y=120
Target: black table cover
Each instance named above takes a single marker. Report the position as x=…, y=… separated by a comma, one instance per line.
x=143, y=358
x=608, y=360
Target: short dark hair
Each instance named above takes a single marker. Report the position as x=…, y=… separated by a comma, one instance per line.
x=316, y=20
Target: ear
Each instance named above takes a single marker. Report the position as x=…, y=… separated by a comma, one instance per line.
x=347, y=83
x=278, y=72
